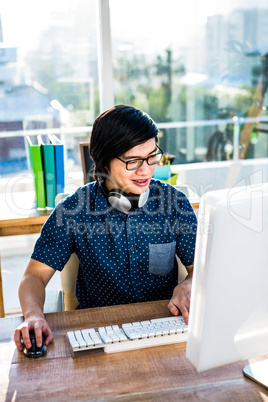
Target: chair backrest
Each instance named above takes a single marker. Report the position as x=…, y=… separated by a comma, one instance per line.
x=68, y=278
x=69, y=274
x=87, y=162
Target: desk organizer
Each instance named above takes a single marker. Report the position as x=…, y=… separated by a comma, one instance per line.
x=172, y=180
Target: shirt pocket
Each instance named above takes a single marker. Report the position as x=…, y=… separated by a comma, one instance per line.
x=161, y=258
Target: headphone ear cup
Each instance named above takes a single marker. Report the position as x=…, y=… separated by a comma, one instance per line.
x=119, y=201
x=143, y=198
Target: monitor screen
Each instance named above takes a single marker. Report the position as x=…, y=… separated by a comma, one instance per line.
x=229, y=303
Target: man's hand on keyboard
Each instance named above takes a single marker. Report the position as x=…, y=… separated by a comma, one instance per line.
x=180, y=301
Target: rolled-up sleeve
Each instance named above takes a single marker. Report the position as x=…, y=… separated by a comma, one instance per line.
x=55, y=243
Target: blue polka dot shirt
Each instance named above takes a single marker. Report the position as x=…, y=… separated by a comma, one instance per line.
x=123, y=258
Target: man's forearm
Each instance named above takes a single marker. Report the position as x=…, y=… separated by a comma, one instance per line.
x=32, y=296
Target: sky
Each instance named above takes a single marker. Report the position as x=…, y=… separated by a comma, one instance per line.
x=23, y=19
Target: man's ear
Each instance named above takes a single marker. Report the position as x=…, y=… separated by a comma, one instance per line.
x=107, y=170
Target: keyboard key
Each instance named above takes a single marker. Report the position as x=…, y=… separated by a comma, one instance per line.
x=106, y=339
x=145, y=323
x=126, y=326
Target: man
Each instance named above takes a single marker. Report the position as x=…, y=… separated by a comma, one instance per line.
x=125, y=228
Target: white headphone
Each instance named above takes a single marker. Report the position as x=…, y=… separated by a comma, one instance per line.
x=122, y=201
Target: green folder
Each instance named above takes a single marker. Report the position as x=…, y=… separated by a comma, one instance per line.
x=37, y=168
x=47, y=151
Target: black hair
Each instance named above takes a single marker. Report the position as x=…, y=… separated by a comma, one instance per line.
x=116, y=131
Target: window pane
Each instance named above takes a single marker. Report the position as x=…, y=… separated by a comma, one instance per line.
x=48, y=75
x=195, y=61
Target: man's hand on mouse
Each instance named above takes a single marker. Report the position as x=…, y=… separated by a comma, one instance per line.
x=41, y=329
x=180, y=301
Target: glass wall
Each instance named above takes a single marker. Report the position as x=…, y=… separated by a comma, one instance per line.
x=193, y=66
x=195, y=61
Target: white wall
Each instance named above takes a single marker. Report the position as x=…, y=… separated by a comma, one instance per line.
x=209, y=176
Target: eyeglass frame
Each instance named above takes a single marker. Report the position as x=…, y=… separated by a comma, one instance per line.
x=142, y=160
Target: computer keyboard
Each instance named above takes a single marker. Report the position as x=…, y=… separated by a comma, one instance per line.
x=136, y=335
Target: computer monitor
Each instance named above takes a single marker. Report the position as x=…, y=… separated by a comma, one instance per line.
x=229, y=303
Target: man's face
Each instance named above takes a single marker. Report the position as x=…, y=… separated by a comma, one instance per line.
x=132, y=181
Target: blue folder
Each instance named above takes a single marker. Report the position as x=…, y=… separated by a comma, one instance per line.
x=59, y=163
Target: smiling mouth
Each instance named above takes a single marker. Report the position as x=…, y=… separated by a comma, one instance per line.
x=141, y=182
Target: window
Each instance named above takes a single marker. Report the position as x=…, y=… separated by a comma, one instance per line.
x=192, y=66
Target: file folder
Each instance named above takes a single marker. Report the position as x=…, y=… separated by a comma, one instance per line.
x=37, y=168
x=47, y=151
x=59, y=162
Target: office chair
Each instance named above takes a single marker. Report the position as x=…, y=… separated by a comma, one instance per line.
x=68, y=283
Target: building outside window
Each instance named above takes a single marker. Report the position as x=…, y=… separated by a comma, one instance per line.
x=195, y=62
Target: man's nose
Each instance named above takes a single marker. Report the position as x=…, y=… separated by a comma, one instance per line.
x=145, y=168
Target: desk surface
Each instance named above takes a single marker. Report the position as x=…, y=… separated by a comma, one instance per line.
x=154, y=374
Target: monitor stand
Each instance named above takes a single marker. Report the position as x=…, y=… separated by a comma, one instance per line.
x=258, y=372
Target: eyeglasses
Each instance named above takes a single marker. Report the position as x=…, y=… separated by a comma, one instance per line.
x=135, y=164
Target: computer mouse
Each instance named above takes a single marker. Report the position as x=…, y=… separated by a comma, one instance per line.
x=34, y=350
